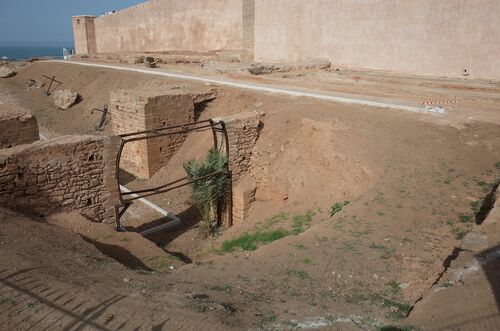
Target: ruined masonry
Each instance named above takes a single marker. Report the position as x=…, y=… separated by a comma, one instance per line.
x=17, y=126
x=72, y=173
x=133, y=111
x=243, y=132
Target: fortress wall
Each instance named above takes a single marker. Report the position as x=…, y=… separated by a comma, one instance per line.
x=84, y=34
x=427, y=37
x=170, y=25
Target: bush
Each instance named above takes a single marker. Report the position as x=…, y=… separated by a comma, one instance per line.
x=208, y=193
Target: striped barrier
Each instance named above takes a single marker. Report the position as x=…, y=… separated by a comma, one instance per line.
x=444, y=102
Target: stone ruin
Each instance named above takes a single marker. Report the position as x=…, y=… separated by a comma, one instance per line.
x=140, y=110
x=17, y=126
x=78, y=173
x=69, y=173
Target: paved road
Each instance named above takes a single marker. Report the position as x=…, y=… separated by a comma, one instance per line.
x=344, y=98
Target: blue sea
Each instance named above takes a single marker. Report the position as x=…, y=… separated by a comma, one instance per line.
x=27, y=52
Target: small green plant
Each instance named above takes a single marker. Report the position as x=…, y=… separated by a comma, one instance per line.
x=306, y=261
x=337, y=207
x=397, y=310
x=465, y=218
x=299, y=222
x=497, y=165
x=298, y=273
x=475, y=206
x=387, y=251
x=394, y=287
x=459, y=233
x=209, y=192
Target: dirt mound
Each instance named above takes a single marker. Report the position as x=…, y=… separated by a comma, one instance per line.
x=308, y=167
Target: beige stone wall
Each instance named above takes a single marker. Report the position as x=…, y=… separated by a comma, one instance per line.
x=17, y=126
x=426, y=37
x=169, y=25
x=70, y=173
x=243, y=132
x=84, y=34
x=248, y=30
x=243, y=197
x=138, y=110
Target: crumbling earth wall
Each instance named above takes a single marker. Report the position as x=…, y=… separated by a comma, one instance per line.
x=17, y=126
x=70, y=173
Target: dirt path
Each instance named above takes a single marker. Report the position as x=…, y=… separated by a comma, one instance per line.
x=346, y=98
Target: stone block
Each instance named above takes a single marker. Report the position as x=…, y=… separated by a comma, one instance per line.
x=17, y=126
x=138, y=110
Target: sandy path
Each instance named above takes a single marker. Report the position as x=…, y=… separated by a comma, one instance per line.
x=344, y=98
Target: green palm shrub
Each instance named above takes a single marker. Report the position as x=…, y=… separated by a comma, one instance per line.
x=208, y=193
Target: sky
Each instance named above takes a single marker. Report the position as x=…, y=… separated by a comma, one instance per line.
x=48, y=22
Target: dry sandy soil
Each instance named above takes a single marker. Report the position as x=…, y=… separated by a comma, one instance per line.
x=415, y=183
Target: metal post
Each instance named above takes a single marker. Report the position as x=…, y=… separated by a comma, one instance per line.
x=52, y=80
x=104, y=112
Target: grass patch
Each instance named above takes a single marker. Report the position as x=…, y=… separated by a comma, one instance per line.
x=158, y=263
x=337, y=207
x=265, y=234
x=307, y=261
x=250, y=241
x=397, y=310
x=497, y=165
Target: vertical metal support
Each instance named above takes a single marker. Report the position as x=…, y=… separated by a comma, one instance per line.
x=230, y=198
x=52, y=80
x=117, y=218
x=104, y=112
x=214, y=133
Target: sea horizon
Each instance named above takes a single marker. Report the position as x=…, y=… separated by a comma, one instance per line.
x=26, y=50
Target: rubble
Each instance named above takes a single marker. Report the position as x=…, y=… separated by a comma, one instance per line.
x=65, y=99
x=6, y=72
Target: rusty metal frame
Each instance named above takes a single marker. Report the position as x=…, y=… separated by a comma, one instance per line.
x=127, y=198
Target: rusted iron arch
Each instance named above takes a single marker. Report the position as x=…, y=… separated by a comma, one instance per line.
x=220, y=143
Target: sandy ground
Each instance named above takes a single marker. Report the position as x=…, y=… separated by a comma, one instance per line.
x=413, y=181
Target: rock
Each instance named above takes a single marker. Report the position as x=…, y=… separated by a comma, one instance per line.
x=64, y=99
x=6, y=72
x=474, y=242
x=31, y=83
x=268, y=68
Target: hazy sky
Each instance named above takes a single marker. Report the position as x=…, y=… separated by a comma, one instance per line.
x=48, y=21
